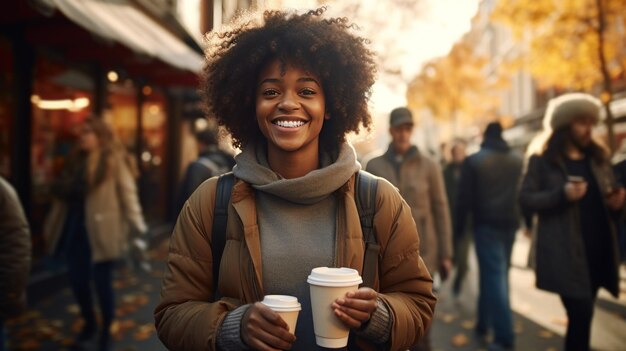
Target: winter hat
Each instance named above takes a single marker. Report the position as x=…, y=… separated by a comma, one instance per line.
x=564, y=109
x=493, y=131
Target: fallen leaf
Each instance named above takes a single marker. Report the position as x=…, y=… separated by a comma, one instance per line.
x=77, y=325
x=142, y=299
x=448, y=318
x=128, y=298
x=57, y=323
x=144, y=332
x=67, y=342
x=468, y=325
x=46, y=331
x=545, y=334
x=73, y=309
x=459, y=340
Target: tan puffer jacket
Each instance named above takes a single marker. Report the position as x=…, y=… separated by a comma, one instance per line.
x=186, y=320
x=15, y=252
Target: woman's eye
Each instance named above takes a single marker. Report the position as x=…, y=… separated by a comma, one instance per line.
x=307, y=92
x=270, y=92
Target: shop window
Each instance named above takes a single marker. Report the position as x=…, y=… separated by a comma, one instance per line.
x=151, y=158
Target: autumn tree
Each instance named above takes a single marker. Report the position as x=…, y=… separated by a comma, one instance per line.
x=572, y=45
x=452, y=86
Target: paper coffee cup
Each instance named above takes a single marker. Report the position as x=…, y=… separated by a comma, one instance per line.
x=327, y=285
x=287, y=308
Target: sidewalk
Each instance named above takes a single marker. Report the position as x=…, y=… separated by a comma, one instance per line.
x=51, y=323
x=539, y=317
x=454, y=323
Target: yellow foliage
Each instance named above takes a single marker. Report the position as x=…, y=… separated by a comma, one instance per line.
x=452, y=86
x=562, y=37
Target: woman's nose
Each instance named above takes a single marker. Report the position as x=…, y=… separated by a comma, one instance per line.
x=288, y=102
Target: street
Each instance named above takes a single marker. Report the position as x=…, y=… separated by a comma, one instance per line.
x=539, y=316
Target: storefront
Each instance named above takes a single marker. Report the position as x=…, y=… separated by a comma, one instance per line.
x=55, y=71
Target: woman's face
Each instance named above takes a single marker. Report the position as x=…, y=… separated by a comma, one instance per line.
x=87, y=139
x=290, y=107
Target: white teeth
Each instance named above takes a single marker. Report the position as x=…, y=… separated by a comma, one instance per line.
x=289, y=124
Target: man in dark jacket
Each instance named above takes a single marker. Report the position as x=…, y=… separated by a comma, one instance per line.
x=211, y=162
x=571, y=187
x=488, y=191
x=15, y=256
x=463, y=240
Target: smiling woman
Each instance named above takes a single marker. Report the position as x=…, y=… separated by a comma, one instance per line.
x=289, y=88
x=324, y=49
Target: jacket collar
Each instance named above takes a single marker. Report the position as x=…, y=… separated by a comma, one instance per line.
x=411, y=154
x=496, y=144
x=243, y=190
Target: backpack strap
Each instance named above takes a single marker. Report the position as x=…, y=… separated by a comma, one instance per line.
x=209, y=164
x=366, y=186
x=220, y=217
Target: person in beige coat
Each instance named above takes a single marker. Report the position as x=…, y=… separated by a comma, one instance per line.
x=89, y=223
x=421, y=184
x=289, y=88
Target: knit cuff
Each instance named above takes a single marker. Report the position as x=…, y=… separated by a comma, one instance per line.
x=378, y=327
x=229, y=333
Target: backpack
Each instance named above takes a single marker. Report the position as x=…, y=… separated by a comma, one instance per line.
x=365, y=196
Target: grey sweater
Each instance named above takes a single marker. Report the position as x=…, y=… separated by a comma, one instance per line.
x=297, y=223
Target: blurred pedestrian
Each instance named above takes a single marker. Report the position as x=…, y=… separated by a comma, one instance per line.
x=421, y=184
x=289, y=89
x=15, y=256
x=488, y=192
x=211, y=162
x=463, y=240
x=96, y=201
x=571, y=187
x=619, y=168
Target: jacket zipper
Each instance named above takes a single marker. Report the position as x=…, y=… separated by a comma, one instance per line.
x=255, y=288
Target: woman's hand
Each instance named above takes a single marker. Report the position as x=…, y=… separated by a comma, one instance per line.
x=356, y=307
x=575, y=191
x=264, y=329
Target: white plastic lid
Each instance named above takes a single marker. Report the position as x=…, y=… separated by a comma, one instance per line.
x=334, y=277
x=282, y=303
